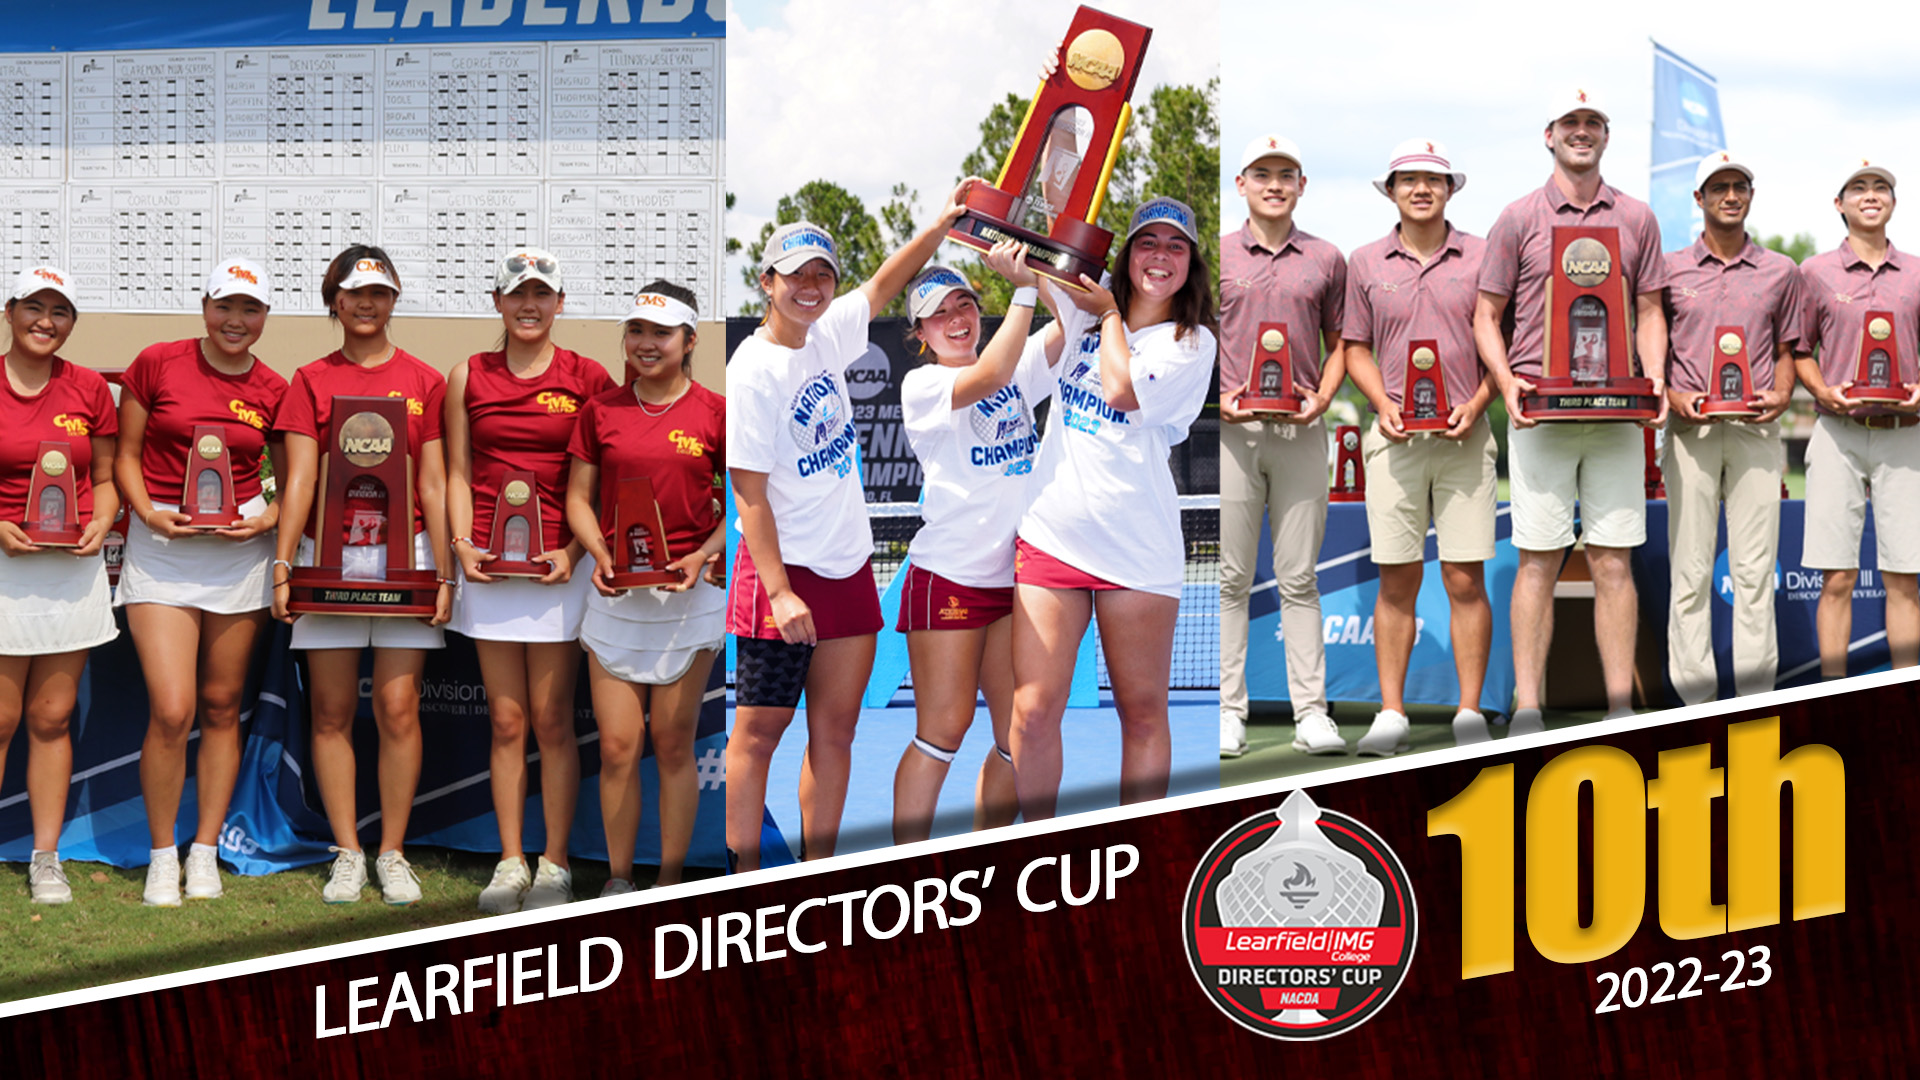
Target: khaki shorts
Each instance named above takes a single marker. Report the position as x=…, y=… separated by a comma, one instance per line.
x=1600, y=466
x=1842, y=459
x=1431, y=479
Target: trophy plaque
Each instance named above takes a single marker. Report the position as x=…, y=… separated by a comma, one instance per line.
x=1730, y=376
x=639, y=538
x=1656, y=480
x=1878, y=376
x=363, y=561
x=517, y=535
x=1044, y=197
x=1269, y=386
x=52, y=506
x=206, y=497
x=1423, y=396
x=1349, y=471
x=1587, y=372
x=113, y=548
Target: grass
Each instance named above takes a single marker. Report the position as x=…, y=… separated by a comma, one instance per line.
x=107, y=935
x=1270, y=753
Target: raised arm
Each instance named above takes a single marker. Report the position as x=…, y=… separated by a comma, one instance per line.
x=899, y=267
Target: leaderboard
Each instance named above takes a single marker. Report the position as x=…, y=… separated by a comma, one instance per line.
x=138, y=169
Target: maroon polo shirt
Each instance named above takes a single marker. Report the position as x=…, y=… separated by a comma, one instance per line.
x=1519, y=254
x=1758, y=291
x=1840, y=288
x=1304, y=285
x=1393, y=300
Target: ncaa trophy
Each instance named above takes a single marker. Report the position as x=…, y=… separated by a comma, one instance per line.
x=207, y=496
x=1587, y=372
x=639, y=538
x=1730, y=380
x=52, y=507
x=517, y=534
x=363, y=560
x=1878, y=376
x=1269, y=386
x=1423, y=396
x=1043, y=197
x=1349, y=468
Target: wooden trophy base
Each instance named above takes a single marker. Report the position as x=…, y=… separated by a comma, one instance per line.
x=1078, y=248
x=1282, y=405
x=54, y=538
x=644, y=579
x=222, y=518
x=1878, y=393
x=1340, y=496
x=1731, y=410
x=1563, y=399
x=1438, y=423
x=501, y=568
x=319, y=590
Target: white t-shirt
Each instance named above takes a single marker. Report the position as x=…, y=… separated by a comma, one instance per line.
x=977, y=460
x=1101, y=498
x=789, y=415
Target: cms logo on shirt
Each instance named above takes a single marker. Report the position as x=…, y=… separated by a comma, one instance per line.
x=684, y=443
x=72, y=425
x=247, y=414
x=556, y=402
x=415, y=407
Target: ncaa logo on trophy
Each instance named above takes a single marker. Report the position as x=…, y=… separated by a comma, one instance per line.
x=1300, y=923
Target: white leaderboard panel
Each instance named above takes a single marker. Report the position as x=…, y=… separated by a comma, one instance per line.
x=137, y=170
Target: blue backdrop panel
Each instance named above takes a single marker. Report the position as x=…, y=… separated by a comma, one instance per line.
x=1349, y=583
x=275, y=820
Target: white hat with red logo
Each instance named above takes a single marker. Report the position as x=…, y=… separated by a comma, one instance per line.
x=1267, y=146
x=38, y=278
x=1716, y=161
x=1573, y=100
x=1419, y=155
x=1870, y=168
x=240, y=277
x=662, y=309
x=367, y=272
x=524, y=265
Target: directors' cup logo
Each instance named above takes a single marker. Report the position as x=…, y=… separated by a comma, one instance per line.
x=1300, y=923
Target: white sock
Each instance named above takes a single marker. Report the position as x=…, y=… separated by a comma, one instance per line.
x=159, y=851
x=36, y=853
x=198, y=848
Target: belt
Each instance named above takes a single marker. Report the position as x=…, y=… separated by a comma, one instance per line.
x=1881, y=422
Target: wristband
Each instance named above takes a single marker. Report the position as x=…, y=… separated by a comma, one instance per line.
x=283, y=562
x=1025, y=296
x=458, y=540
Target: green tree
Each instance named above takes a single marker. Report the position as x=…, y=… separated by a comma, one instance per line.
x=855, y=233
x=1183, y=150
x=1798, y=249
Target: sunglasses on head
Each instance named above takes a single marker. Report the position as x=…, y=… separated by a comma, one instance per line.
x=518, y=264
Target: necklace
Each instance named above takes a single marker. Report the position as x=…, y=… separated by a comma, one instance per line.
x=664, y=406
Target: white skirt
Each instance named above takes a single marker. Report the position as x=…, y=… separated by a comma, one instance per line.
x=520, y=609
x=211, y=573
x=54, y=603
x=360, y=631
x=649, y=635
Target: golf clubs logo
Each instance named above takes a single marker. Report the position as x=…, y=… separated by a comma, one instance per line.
x=1300, y=923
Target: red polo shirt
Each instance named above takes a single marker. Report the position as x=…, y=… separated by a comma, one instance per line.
x=1840, y=288
x=1393, y=300
x=1304, y=285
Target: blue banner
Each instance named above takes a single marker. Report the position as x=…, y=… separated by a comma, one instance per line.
x=1686, y=128
x=199, y=24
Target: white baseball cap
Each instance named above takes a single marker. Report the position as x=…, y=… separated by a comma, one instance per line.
x=524, y=265
x=1716, y=161
x=1271, y=146
x=662, y=310
x=36, y=278
x=1164, y=210
x=793, y=246
x=932, y=286
x=240, y=277
x=1418, y=155
x=1574, y=99
x=369, y=271
x=1869, y=168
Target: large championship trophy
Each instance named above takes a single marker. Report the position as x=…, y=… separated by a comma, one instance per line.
x=1878, y=376
x=1423, y=396
x=207, y=497
x=53, y=508
x=1587, y=372
x=1269, y=386
x=517, y=532
x=639, y=537
x=1730, y=376
x=363, y=562
x=1043, y=196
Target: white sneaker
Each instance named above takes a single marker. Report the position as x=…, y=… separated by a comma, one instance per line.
x=1314, y=733
x=398, y=884
x=163, y=879
x=552, y=886
x=1233, y=735
x=47, y=881
x=616, y=887
x=1386, y=736
x=348, y=877
x=1526, y=722
x=1470, y=727
x=203, y=873
x=503, y=894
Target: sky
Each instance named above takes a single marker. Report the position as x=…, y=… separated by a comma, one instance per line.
x=870, y=95
x=1804, y=94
